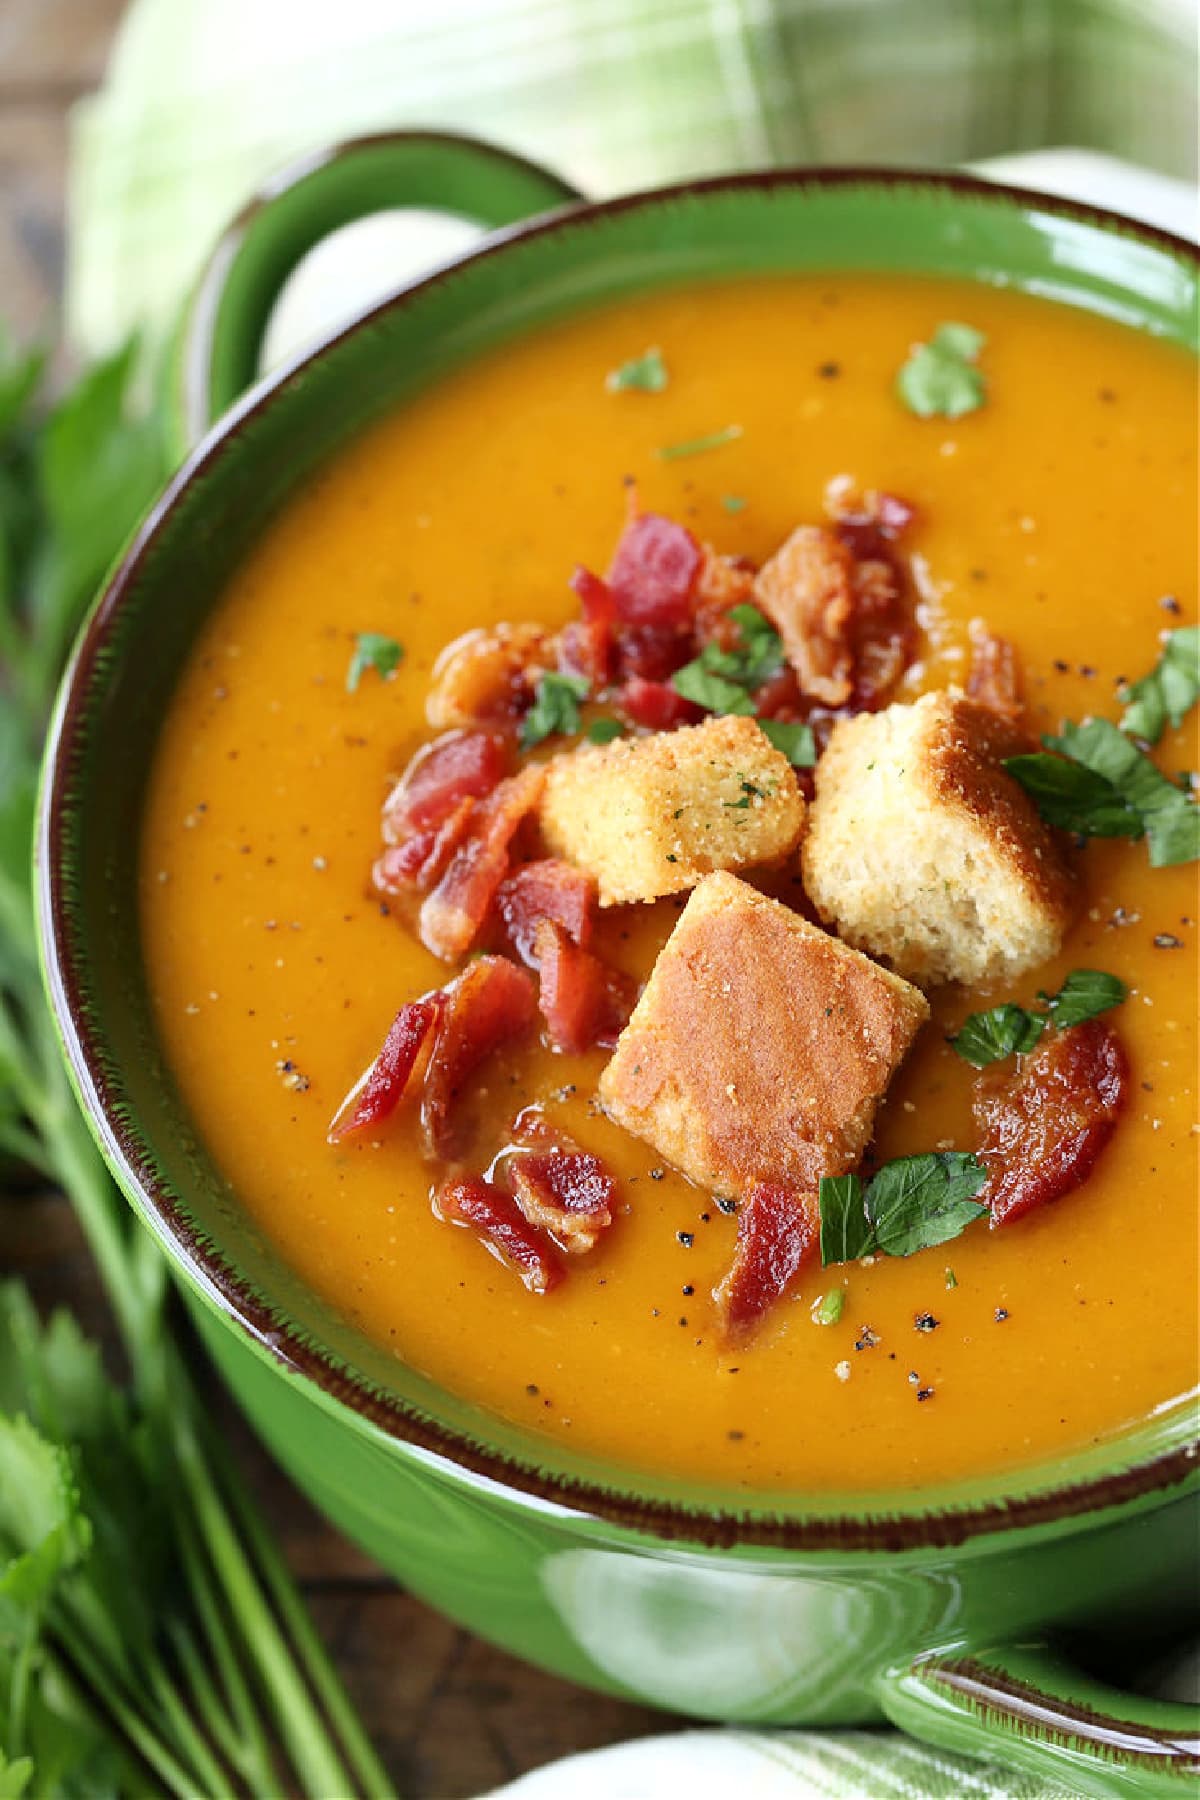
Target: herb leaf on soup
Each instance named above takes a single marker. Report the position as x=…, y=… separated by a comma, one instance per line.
x=1170, y=690
x=1011, y=1030
x=722, y=681
x=555, y=710
x=1084, y=995
x=372, y=650
x=713, y=440
x=940, y=379
x=604, y=731
x=645, y=374
x=911, y=1204
x=1102, y=785
x=796, y=742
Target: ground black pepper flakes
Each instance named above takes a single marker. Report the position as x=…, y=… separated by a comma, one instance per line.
x=914, y=1378
x=531, y=1387
x=686, y=1238
x=1001, y=1314
x=725, y=1206
x=866, y=1339
x=735, y=1436
x=924, y=1393
x=687, y=1289
x=829, y=371
x=657, y=1174
x=925, y=1322
x=683, y=1321
x=1165, y=940
x=1170, y=604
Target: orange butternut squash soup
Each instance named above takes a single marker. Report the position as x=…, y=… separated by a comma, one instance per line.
x=780, y=1059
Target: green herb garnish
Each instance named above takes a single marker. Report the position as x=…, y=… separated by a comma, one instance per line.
x=909, y=1205
x=555, y=710
x=646, y=374
x=1101, y=785
x=151, y=1637
x=829, y=1308
x=940, y=378
x=732, y=503
x=715, y=440
x=722, y=681
x=1010, y=1030
x=795, y=741
x=1170, y=690
x=604, y=731
x=373, y=651
x=951, y=1279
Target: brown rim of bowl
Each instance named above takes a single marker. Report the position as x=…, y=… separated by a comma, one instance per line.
x=66, y=981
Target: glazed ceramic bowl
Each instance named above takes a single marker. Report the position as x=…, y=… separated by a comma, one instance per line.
x=948, y=1611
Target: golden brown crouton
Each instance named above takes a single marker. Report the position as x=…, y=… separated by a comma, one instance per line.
x=925, y=853
x=649, y=816
x=760, y=1047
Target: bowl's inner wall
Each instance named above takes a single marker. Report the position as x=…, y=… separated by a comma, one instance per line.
x=149, y=619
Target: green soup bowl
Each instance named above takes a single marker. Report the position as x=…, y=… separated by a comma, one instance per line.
x=965, y=1613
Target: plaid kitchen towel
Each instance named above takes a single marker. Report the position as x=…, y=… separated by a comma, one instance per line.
x=205, y=98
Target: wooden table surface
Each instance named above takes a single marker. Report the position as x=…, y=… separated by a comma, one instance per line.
x=450, y=1715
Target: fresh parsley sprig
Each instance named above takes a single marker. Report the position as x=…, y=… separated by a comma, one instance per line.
x=1098, y=783
x=909, y=1205
x=1011, y=1030
x=646, y=374
x=372, y=650
x=725, y=681
x=555, y=709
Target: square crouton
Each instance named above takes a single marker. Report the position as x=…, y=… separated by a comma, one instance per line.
x=760, y=1047
x=649, y=816
x=924, y=853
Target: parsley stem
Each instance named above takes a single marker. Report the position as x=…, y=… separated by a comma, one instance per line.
x=143, y=1737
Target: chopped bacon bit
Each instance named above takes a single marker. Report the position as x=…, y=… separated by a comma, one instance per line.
x=1044, y=1127
x=585, y=646
x=807, y=592
x=378, y=1092
x=652, y=652
x=459, y=766
x=582, y=1000
x=453, y=913
x=414, y=866
x=569, y=1193
x=495, y=1215
x=724, y=582
x=777, y=1230
x=489, y=674
x=490, y=1002
x=549, y=889
x=779, y=697
x=882, y=634
x=866, y=523
x=994, y=677
x=656, y=705
x=654, y=572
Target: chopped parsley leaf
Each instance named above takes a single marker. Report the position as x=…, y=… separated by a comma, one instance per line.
x=1011, y=1030
x=714, y=440
x=721, y=681
x=1100, y=784
x=604, y=731
x=940, y=379
x=646, y=374
x=908, y=1205
x=555, y=709
x=1170, y=690
x=829, y=1308
x=796, y=742
x=733, y=503
x=373, y=651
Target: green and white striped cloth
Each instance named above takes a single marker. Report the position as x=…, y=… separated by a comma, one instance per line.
x=205, y=98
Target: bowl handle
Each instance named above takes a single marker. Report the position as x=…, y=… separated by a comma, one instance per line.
x=215, y=353
x=1029, y=1709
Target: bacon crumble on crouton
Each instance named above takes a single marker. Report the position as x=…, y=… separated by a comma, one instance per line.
x=760, y=1047
x=649, y=816
x=925, y=853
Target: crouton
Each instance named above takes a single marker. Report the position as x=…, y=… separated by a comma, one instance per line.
x=760, y=1047
x=649, y=816
x=926, y=854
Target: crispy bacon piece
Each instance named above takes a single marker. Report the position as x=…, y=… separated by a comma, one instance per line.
x=656, y=705
x=550, y=889
x=461, y=765
x=777, y=1230
x=451, y=915
x=1044, y=1127
x=489, y=1003
x=654, y=572
x=882, y=633
x=652, y=652
x=568, y=1192
x=723, y=583
x=807, y=592
x=499, y=1221
x=994, y=676
x=489, y=674
x=583, y=1001
x=585, y=646
x=378, y=1092
x=866, y=522
x=414, y=865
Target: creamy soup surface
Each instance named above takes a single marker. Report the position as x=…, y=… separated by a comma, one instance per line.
x=1062, y=512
